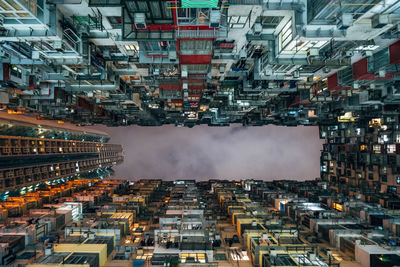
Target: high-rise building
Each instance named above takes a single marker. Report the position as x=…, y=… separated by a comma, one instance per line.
x=36, y=151
x=361, y=154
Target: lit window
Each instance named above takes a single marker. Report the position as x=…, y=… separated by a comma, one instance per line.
x=377, y=149
x=383, y=139
x=391, y=148
x=397, y=138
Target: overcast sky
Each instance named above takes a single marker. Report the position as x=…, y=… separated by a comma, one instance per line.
x=169, y=152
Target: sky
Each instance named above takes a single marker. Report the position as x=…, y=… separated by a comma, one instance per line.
x=202, y=153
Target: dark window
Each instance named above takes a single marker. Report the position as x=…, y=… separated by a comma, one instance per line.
x=392, y=189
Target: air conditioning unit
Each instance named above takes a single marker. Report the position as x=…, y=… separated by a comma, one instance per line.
x=268, y=72
x=344, y=21
x=379, y=21
x=243, y=54
x=172, y=55
x=65, y=73
x=184, y=72
x=312, y=256
x=106, y=53
x=296, y=74
x=349, y=53
x=139, y=20
x=257, y=28
x=185, y=86
x=221, y=69
x=156, y=72
x=369, y=53
x=57, y=45
x=215, y=18
x=314, y=52
x=35, y=55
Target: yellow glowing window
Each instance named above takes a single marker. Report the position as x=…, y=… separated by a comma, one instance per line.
x=348, y=116
x=338, y=206
x=363, y=147
x=375, y=122
x=14, y=111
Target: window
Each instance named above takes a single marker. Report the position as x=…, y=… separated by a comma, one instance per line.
x=193, y=16
x=186, y=15
x=132, y=47
x=285, y=36
x=377, y=149
x=288, y=45
x=397, y=138
x=392, y=189
x=269, y=22
x=157, y=47
x=115, y=22
x=398, y=180
x=383, y=138
x=237, y=22
x=196, y=68
x=16, y=72
x=197, y=47
x=391, y=148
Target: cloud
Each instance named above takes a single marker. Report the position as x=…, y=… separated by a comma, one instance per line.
x=268, y=152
